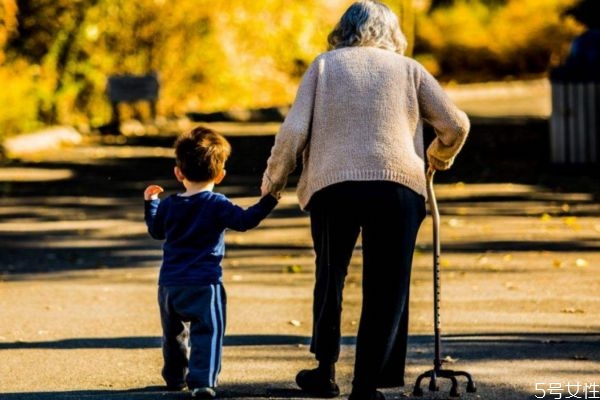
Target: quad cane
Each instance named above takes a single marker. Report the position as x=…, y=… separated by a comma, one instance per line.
x=437, y=371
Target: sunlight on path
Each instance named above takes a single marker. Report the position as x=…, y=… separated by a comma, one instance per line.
x=504, y=99
x=33, y=174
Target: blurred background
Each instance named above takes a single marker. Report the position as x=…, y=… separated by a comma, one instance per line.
x=209, y=56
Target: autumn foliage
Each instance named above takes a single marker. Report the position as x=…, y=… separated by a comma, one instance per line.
x=55, y=55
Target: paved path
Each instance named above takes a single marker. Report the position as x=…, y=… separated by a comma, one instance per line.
x=78, y=316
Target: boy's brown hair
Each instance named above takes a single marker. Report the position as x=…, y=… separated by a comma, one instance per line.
x=201, y=153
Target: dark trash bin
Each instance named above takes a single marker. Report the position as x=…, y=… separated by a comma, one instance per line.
x=575, y=119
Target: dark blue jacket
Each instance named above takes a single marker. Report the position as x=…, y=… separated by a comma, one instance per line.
x=193, y=230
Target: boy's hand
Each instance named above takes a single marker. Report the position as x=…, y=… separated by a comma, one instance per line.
x=152, y=192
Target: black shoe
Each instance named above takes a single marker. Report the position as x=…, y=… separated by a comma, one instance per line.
x=376, y=395
x=314, y=382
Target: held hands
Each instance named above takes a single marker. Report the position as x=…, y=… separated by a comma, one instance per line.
x=152, y=192
x=268, y=188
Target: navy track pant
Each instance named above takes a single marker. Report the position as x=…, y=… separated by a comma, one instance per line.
x=193, y=323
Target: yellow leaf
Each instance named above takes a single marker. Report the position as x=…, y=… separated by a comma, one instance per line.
x=293, y=269
x=570, y=221
x=545, y=217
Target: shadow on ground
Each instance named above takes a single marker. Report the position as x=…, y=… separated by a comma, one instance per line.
x=92, y=218
x=468, y=351
x=248, y=391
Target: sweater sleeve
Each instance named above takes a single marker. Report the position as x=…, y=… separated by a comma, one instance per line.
x=293, y=135
x=451, y=125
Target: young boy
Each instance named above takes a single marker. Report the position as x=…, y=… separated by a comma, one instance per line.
x=191, y=295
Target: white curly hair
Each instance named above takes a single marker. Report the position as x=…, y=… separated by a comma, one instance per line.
x=368, y=23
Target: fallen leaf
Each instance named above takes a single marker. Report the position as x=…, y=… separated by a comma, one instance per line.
x=570, y=221
x=571, y=310
x=294, y=269
x=449, y=360
x=455, y=223
x=580, y=262
x=545, y=217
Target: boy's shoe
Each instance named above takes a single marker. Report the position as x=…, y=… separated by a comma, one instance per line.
x=314, y=382
x=376, y=395
x=204, y=393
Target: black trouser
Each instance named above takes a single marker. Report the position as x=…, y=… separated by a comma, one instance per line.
x=389, y=216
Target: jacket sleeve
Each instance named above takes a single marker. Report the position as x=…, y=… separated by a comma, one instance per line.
x=153, y=218
x=293, y=135
x=451, y=125
x=239, y=219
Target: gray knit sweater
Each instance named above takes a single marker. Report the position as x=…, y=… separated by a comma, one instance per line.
x=358, y=116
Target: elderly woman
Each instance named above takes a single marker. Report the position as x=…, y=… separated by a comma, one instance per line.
x=356, y=123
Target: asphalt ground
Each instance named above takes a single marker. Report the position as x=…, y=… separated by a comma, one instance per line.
x=78, y=314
